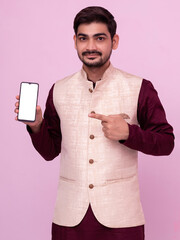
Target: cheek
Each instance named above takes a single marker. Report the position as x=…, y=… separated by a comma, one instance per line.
x=106, y=50
x=80, y=48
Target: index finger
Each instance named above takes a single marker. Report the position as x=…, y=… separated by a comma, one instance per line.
x=99, y=117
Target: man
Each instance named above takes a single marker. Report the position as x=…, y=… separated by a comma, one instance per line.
x=98, y=118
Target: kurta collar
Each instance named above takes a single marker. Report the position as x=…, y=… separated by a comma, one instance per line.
x=107, y=74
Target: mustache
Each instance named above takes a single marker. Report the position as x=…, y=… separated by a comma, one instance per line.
x=91, y=52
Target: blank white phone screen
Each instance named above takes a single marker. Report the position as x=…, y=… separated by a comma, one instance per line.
x=28, y=101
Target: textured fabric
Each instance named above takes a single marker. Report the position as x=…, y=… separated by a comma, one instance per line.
x=110, y=183
x=90, y=228
x=154, y=135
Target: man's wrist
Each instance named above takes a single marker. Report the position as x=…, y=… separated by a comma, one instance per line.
x=126, y=135
x=35, y=128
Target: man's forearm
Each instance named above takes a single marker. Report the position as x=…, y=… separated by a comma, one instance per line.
x=45, y=142
x=149, y=142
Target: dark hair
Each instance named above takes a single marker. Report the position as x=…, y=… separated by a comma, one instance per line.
x=95, y=14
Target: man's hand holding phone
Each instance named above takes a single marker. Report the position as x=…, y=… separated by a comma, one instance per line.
x=36, y=125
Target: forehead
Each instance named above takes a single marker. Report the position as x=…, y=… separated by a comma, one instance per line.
x=93, y=28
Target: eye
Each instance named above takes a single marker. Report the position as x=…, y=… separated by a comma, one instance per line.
x=100, y=38
x=82, y=39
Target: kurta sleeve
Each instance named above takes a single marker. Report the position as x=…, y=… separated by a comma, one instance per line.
x=48, y=140
x=154, y=135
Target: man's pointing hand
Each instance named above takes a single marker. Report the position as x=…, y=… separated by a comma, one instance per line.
x=113, y=126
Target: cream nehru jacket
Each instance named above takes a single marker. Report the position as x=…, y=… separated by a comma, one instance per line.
x=93, y=169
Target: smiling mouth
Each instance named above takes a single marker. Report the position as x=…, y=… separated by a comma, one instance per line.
x=92, y=57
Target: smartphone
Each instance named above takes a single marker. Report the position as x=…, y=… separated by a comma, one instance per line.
x=28, y=101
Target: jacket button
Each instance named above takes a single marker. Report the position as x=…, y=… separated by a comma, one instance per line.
x=91, y=161
x=90, y=90
x=91, y=136
x=91, y=186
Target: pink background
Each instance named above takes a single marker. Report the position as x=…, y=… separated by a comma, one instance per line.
x=36, y=44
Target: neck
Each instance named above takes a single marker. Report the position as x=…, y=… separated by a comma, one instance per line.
x=95, y=73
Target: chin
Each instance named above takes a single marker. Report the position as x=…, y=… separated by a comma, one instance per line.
x=93, y=64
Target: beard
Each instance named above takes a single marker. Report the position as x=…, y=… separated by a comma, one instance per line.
x=91, y=62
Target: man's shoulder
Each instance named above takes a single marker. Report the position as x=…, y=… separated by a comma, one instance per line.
x=127, y=79
x=124, y=74
x=68, y=78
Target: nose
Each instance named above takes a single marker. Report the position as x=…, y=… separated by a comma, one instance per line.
x=91, y=45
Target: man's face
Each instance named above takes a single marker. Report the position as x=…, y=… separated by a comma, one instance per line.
x=94, y=44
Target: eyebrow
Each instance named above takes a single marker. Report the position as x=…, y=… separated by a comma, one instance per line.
x=95, y=35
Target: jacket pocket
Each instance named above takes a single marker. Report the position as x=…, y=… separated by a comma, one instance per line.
x=65, y=179
x=121, y=175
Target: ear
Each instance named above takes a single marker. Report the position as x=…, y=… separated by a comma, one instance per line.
x=115, y=42
x=75, y=45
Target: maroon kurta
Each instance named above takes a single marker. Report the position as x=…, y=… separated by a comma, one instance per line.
x=91, y=229
x=154, y=136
